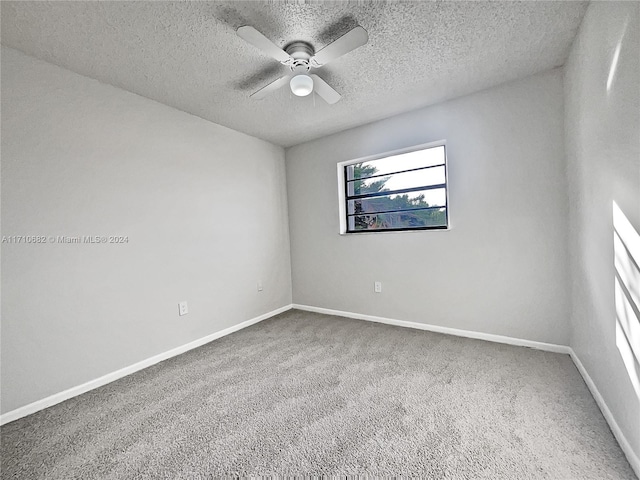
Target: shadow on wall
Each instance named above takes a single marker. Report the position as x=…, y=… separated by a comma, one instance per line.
x=626, y=249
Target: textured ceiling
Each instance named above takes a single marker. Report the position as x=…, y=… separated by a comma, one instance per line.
x=187, y=54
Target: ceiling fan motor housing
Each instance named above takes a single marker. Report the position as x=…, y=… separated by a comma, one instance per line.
x=300, y=52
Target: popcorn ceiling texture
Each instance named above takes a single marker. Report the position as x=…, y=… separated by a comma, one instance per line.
x=187, y=54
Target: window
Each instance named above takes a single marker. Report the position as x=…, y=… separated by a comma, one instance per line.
x=405, y=190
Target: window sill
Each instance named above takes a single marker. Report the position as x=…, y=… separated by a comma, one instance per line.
x=365, y=232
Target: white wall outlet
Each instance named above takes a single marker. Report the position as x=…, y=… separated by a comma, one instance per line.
x=260, y=286
x=377, y=287
x=183, y=309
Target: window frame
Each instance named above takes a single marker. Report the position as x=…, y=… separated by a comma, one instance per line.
x=343, y=196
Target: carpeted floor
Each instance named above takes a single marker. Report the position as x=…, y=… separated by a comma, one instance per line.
x=310, y=394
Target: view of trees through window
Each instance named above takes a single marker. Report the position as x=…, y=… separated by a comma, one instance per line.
x=402, y=192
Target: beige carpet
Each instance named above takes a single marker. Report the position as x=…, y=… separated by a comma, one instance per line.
x=310, y=394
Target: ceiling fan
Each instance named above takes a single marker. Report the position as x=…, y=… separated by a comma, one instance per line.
x=301, y=57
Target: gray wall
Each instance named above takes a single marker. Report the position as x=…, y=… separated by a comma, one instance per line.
x=204, y=208
x=501, y=269
x=603, y=150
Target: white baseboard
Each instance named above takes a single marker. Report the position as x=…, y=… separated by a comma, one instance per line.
x=633, y=458
x=549, y=347
x=123, y=372
x=634, y=461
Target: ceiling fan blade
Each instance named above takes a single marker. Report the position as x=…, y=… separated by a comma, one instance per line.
x=351, y=40
x=255, y=38
x=272, y=87
x=326, y=91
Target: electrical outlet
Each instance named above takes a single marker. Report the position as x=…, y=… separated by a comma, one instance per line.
x=377, y=287
x=260, y=286
x=183, y=309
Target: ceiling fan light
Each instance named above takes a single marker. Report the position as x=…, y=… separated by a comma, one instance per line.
x=301, y=85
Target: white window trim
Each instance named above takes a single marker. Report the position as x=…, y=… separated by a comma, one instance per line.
x=342, y=208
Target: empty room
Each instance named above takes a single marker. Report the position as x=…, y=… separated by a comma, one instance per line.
x=320, y=239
